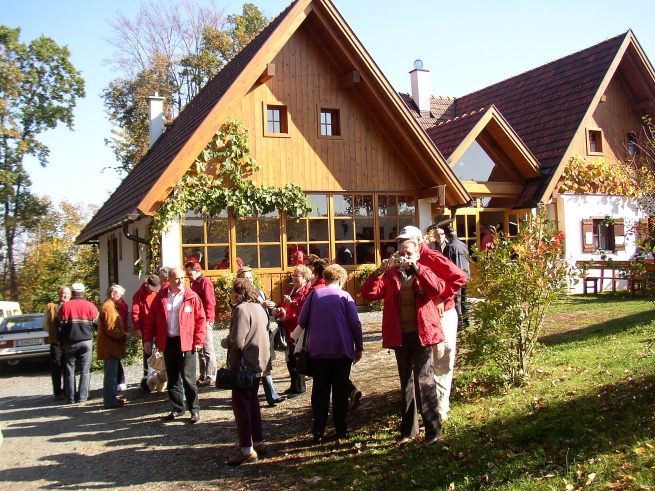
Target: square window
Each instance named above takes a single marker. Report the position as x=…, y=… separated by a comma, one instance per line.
x=632, y=145
x=594, y=141
x=329, y=122
x=275, y=120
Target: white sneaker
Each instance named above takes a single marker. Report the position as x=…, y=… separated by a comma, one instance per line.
x=443, y=415
x=122, y=387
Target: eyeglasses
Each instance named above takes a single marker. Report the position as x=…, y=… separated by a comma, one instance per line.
x=294, y=276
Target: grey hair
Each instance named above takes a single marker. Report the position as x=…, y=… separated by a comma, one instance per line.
x=64, y=287
x=115, y=289
x=165, y=271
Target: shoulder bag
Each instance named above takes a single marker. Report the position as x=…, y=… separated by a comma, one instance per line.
x=280, y=339
x=304, y=363
x=241, y=379
x=156, y=361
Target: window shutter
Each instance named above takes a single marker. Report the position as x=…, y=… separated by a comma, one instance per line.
x=619, y=231
x=642, y=232
x=587, y=232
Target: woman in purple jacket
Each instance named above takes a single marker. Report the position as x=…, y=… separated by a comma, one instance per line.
x=334, y=343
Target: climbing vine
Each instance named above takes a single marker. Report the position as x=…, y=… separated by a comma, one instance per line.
x=584, y=176
x=229, y=151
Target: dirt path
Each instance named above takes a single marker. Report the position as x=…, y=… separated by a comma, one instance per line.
x=48, y=444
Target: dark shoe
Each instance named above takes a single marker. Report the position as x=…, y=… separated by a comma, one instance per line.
x=276, y=401
x=288, y=391
x=195, y=418
x=261, y=449
x=355, y=396
x=343, y=435
x=291, y=395
x=317, y=440
x=240, y=458
x=204, y=383
x=60, y=397
x=173, y=416
x=117, y=404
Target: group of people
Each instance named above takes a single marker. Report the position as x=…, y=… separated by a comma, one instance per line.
x=419, y=287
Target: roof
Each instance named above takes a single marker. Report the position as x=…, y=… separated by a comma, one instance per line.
x=441, y=109
x=448, y=135
x=126, y=198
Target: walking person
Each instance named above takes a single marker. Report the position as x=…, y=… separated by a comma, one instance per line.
x=112, y=336
x=248, y=345
x=141, y=305
x=57, y=364
x=334, y=344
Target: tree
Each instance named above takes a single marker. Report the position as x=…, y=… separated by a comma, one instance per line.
x=518, y=280
x=173, y=49
x=39, y=87
x=51, y=258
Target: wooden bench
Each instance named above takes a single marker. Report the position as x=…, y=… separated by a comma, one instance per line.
x=596, y=272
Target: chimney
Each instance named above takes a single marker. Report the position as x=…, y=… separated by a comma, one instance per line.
x=420, y=79
x=156, y=117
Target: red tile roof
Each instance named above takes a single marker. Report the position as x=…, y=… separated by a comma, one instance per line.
x=441, y=109
x=449, y=134
x=124, y=201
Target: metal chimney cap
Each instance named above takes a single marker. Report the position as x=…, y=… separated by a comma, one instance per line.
x=418, y=64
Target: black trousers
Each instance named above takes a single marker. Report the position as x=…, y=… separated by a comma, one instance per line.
x=297, y=380
x=181, y=371
x=462, y=306
x=57, y=368
x=330, y=375
x=418, y=388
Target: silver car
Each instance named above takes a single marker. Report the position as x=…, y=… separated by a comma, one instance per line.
x=22, y=336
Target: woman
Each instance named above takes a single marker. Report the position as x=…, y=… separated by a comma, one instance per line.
x=286, y=313
x=318, y=267
x=334, y=343
x=247, y=343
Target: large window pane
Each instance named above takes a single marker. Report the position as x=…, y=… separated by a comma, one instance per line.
x=363, y=205
x=387, y=249
x=387, y=205
x=320, y=200
x=296, y=254
x=406, y=206
x=343, y=229
x=217, y=232
x=318, y=230
x=192, y=232
x=218, y=257
x=246, y=231
x=321, y=250
x=345, y=255
x=195, y=254
x=269, y=230
x=403, y=222
x=343, y=205
x=296, y=231
x=364, y=229
x=270, y=256
x=365, y=252
x=388, y=228
x=248, y=255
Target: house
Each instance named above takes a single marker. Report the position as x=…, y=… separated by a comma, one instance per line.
x=509, y=143
x=321, y=115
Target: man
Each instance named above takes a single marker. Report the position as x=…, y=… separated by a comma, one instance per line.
x=272, y=397
x=164, y=273
x=411, y=325
x=487, y=233
x=112, y=335
x=76, y=321
x=204, y=288
x=458, y=253
x=177, y=322
x=141, y=304
x=444, y=352
x=440, y=242
x=57, y=365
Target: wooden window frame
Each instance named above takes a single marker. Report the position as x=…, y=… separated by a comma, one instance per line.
x=631, y=135
x=335, y=124
x=112, y=259
x=615, y=230
x=600, y=140
x=284, y=119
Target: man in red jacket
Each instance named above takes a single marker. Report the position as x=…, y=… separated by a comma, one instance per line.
x=444, y=352
x=177, y=322
x=204, y=288
x=141, y=304
x=411, y=325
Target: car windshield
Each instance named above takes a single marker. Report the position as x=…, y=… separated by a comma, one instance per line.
x=21, y=324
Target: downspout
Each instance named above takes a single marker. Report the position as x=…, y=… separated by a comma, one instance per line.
x=135, y=238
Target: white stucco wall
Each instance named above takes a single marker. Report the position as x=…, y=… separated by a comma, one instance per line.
x=170, y=246
x=571, y=209
x=424, y=214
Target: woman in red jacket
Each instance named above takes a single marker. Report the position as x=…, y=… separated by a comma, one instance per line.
x=286, y=313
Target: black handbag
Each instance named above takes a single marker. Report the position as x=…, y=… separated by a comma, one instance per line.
x=227, y=379
x=304, y=363
x=280, y=339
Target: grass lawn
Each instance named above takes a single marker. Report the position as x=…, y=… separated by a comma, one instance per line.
x=585, y=420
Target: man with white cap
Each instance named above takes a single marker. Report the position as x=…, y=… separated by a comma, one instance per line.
x=454, y=278
x=76, y=321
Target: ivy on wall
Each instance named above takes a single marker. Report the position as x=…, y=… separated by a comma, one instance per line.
x=586, y=176
x=229, y=150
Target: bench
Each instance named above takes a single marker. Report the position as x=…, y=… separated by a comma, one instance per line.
x=596, y=272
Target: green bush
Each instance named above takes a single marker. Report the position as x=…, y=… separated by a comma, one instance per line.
x=363, y=274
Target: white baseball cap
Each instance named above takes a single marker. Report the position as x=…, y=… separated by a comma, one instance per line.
x=77, y=287
x=409, y=232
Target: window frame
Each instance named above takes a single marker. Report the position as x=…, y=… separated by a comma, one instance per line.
x=599, y=141
x=335, y=113
x=284, y=119
x=631, y=140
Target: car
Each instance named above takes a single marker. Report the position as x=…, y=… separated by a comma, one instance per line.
x=23, y=337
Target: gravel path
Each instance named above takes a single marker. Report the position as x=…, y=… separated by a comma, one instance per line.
x=49, y=444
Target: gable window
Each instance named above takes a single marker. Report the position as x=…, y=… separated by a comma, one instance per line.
x=603, y=234
x=276, y=120
x=632, y=144
x=330, y=122
x=594, y=141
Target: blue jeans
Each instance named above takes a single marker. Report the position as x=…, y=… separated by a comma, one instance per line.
x=109, y=388
x=82, y=351
x=269, y=389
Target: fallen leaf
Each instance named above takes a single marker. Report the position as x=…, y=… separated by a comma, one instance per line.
x=590, y=478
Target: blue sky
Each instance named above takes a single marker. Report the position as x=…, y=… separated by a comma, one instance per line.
x=466, y=45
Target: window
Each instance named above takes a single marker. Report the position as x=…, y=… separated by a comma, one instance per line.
x=310, y=234
x=394, y=212
x=112, y=259
x=276, y=120
x=329, y=122
x=632, y=145
x=258, y=241
x=603, y=234
x=206, y=241
x=594, y=141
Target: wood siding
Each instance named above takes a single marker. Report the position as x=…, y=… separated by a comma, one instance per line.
x=364, y=158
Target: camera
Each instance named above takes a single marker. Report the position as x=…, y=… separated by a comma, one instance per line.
x=397, y=261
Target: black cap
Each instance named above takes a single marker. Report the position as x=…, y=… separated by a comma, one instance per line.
x=153, y=283
x=448, y=230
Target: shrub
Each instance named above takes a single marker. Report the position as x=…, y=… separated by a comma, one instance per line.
x=517, y=281
x=363, y=274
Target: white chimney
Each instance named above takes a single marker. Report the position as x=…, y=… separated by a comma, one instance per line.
x=156, y=116
x=420, y=79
